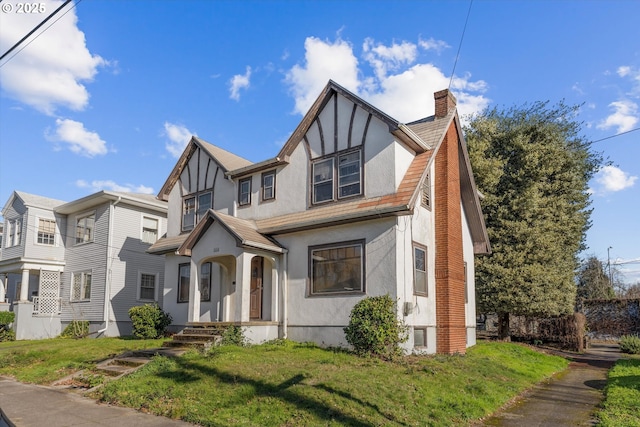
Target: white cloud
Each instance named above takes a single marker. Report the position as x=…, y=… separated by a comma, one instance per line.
x=433, y=44
x=179, y=136
x=624, y=118
x=611, y=179
x=98, y=185
x=396, y=83
x=239, y=81
x=51, y=70
x=80, y=140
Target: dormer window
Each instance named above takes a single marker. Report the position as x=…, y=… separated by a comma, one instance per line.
x=348, y=168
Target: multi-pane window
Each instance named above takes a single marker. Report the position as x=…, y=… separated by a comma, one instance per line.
x=420, y=271
x=183, y=282
x=205, y=282
x=269, y=185
x=84, y=228
x=426, y=192
x=46, y=231
x=337, y=268
x=149, y=230
x=204, y=204
x=348, y=171
x=189, y=213
x=14, y=232
x=81, y=286
x=147, y=286
x=244, y=192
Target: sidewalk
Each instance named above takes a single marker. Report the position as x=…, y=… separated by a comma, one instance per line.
x=28, y=405
x=568, y=399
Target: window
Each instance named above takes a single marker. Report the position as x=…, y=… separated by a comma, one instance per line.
x=183, y=282
x=244, y=192
x=337, y=268
x=81, y=286
x=269, y=185
x=205, y=282
x=147, y=287
x=349, y=173
x=419, y=337
x=46, y=231
x=149, y=230
x=420, y=271
x=204, y=204
x=84, y=228
x=188, y=213
x=426, y=192
x=14, y=231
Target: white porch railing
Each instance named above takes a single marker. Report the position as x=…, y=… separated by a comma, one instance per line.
x=46, y=305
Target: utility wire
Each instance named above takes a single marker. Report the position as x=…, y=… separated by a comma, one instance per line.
x=613, y=136
x=460, y=44
x=36, y=29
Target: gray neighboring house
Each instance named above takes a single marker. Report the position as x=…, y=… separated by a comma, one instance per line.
x=82, y=260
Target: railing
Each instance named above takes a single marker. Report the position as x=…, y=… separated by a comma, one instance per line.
x=46, y=305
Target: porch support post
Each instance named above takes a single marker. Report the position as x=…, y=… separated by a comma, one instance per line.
x=3, y=284
x=243, y=287
x=24, y=288
x=194, y=294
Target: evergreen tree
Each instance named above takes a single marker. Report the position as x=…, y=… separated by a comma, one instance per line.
x=593, y=281
x=533, y=169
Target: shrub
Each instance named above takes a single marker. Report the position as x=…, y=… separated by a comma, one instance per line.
x=6, y=319
x=630, y=344
x=149, y=321
x=76, y=329
x=234, y=335
x=374, y=328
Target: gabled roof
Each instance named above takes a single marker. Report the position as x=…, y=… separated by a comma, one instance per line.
x=227, y=161
x=244, y=231
x=32, y=200
x=140, y=200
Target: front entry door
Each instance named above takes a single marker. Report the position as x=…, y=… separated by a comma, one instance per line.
x=255, y=305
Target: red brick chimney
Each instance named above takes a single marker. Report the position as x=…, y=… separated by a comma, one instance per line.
x=445, y=101
x=451, y=335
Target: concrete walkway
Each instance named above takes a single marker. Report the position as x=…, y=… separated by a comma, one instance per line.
x=28, y=405
x=569, y=399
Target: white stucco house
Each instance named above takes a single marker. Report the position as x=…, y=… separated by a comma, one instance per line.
x=355, y=204
x=82, y=260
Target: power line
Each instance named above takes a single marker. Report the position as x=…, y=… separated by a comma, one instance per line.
x=613, y=136
x=460, y=44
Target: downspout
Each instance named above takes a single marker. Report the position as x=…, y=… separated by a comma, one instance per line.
x=285, y=293
x=107, y=290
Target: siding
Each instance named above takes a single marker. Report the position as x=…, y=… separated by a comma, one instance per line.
x=16, y=210
x=39, y=251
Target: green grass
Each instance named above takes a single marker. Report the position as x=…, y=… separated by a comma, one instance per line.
x=621, y=406
x=299, y=384
x=45, y=361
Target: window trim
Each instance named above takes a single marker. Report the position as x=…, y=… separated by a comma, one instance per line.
x=418, y=246
x=240, y=183
x=183, y=212
x=337, y=245
x=156, y=277
x=335, y=178
x=83, y=283
x=80, y=217
x=263, y=187
x=54, y=237
x=178, y=300
x=142, y=228
x=196, y=208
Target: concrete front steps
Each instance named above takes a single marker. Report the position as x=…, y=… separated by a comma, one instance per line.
x=201, y=335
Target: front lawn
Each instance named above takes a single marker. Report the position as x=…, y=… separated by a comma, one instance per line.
x=621, y=406
x=295, y=384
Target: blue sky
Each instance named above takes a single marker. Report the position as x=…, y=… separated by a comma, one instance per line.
x=107, y=97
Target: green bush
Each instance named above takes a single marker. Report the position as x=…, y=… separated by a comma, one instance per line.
x=149, y=321
x=234, y=335
x=374, y=328
x=76, y=329
x=630, y=344
x=6, y=319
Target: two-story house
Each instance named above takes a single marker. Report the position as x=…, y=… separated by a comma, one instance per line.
x=355, y=204
x=83, y=260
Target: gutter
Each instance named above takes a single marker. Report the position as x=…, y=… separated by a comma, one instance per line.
x=107, y=290
x=285, y=294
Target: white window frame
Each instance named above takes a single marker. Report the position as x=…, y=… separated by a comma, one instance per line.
x=14, y=232
x=83, y=286
x=241, y=183
x=324, y=181
x=156, y=278
x=143, y=235
x=79, y=218
x=340, y=176
x=266, y=187
x=314, y=256
x=53, y=234
x=417, y=271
